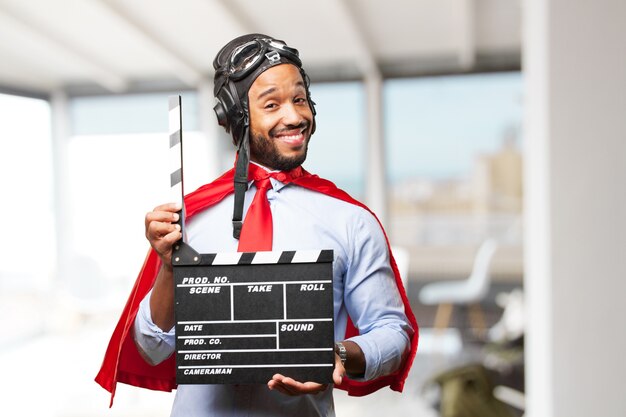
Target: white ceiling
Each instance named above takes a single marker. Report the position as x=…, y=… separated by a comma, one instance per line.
x=126, y=45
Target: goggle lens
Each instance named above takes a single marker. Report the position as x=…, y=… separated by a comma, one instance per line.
x=245, y=58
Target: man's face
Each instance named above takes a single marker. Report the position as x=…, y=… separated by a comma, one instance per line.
x=280, y=118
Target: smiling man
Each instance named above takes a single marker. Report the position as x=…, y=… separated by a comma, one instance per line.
x=264, y=102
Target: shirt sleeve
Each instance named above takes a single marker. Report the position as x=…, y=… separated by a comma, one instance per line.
x=154, y=344
x=373, y=301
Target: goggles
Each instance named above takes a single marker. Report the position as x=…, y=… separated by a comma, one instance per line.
x=247, y=57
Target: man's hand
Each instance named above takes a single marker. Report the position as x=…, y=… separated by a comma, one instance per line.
x=161, y=232
x=290, y=386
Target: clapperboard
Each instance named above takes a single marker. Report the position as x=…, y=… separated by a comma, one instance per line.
x=243, y=317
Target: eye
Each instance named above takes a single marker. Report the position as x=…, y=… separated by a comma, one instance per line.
x=270, y=106
x=299, y=100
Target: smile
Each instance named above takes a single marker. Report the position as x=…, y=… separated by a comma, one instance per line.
x=291, y=138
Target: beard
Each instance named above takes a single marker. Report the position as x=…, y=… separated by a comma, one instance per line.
x=265, y=152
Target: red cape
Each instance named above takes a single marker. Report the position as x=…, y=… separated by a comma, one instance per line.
x=122, y=361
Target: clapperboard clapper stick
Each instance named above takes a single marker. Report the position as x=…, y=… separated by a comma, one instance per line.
x=243, y=317
x=181, y=250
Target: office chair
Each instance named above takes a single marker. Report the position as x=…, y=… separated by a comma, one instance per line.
x=470, y=291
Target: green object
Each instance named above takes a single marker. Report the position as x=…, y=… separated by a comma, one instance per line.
x=468, y=392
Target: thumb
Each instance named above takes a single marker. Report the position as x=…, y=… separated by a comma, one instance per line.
x=339, y=371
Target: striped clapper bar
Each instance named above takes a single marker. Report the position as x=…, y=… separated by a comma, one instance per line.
x=177, y=192
x=243, y=317
x=176, y=156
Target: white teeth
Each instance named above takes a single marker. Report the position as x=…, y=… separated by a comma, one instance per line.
x=291, y=137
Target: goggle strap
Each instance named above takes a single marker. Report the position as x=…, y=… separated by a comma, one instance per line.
x=240, y=183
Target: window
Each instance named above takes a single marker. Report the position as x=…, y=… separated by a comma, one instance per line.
x=26, y=170
x=337, y=149
x=455, y=170
x=118, y=171
x=28, y=243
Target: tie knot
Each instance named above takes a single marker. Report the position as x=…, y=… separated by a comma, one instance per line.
x=257, y=174
x=263, y=183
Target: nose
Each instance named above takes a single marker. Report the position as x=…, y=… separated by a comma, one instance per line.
x=290, y=115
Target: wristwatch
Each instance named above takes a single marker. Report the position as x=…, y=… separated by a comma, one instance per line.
x=340, y=350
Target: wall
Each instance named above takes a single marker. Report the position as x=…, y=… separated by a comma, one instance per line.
x=575, y=69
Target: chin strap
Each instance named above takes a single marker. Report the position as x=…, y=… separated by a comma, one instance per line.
x=241, y=182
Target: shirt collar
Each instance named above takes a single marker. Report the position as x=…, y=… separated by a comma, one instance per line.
x=276, y=184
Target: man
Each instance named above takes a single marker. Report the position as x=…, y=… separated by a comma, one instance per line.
x=264, y=101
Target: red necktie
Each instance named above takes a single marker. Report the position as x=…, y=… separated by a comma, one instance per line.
x=256, y=233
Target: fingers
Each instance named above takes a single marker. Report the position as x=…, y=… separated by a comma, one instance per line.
x=163, y=213
x=290, y=386
x=339, y=372
x=161, y=231
x=156, y=229
x=161, y=235
x=172, y=207
x=277, y=386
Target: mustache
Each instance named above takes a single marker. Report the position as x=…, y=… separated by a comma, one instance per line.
x=302, y=126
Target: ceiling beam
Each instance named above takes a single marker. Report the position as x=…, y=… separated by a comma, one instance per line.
x=239, y=15
x=99, y=72
x=467, y=33
x=21, y=68
x=17, y=91
x=366, y=60
x=184, y=70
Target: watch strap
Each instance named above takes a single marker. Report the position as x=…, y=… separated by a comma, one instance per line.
x=341, y=351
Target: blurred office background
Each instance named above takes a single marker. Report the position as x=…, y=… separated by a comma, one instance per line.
x=488, y=136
